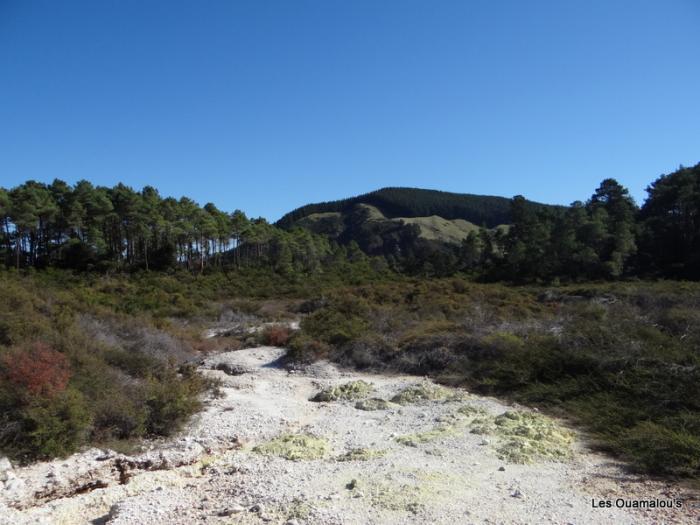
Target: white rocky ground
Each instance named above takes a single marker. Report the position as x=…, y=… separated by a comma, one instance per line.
x=212, y=475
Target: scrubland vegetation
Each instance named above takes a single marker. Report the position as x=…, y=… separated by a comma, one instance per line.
x=76, y=367
x=89, y=358
x=105, y=293
x=620, y=360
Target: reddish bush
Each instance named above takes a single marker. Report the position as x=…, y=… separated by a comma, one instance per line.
x=276, y=336
x=37, y=369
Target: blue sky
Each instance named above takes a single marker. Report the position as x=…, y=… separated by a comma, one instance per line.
x=268, y=105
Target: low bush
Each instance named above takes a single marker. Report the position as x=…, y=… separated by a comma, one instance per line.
x=36, y=370
x=620, y=360
x=74, y=372
x=276, y=335
x=304, y=349
x=658, y=448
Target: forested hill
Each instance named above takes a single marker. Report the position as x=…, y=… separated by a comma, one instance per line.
x=414, y=202
x=424, y=232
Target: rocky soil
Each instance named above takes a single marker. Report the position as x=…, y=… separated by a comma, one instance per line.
x=265, y=453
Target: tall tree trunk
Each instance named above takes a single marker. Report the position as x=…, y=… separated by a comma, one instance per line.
x=145, y=252
x=18, y=245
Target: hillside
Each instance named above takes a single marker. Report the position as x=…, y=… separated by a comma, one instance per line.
x=411, y=225
x=433, y=228
x=486, y=210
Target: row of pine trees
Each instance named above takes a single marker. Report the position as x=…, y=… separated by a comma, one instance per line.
x=89, y=227
x=607, y=237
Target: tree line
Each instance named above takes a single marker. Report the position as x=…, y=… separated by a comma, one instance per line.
x=92, y=227
x=607, y=237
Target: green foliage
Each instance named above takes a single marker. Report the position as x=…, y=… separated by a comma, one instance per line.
x=411, y=202
x=54, y=427
x=670, y=225
x=611, y=357
x=341, y=324
x=418, y=232
x=106, y=229
x=73, y=370
x=582, y=242
x=658, y=448
x=170, y=401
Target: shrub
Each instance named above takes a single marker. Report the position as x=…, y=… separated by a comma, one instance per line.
x=37, y=369
x=276, y=335
x=120, y=416
x=170, y=401
x=304, y=349
x=662, y=450
x=56, y=427
x=612, y=357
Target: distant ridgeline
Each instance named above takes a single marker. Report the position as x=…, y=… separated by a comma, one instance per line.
x=483, y=210
x=415, y=231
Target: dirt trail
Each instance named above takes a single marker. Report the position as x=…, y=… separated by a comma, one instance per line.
x=424, y=462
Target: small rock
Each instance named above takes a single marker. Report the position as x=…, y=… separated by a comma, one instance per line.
x=233, y=509
x=517, y=494
x=352, y=485
x=501, y=469
x=13, y=484
x=292, y=522
x=258, y=508
x=5, y=464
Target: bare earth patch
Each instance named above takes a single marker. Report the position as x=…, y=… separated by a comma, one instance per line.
x=263, y=453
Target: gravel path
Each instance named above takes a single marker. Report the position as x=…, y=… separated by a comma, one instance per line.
x=445, y=473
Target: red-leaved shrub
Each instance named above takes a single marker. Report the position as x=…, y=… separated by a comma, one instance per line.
x=276, y=336
x=38, y=369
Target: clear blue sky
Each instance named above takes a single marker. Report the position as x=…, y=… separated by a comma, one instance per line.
x=267, y=105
